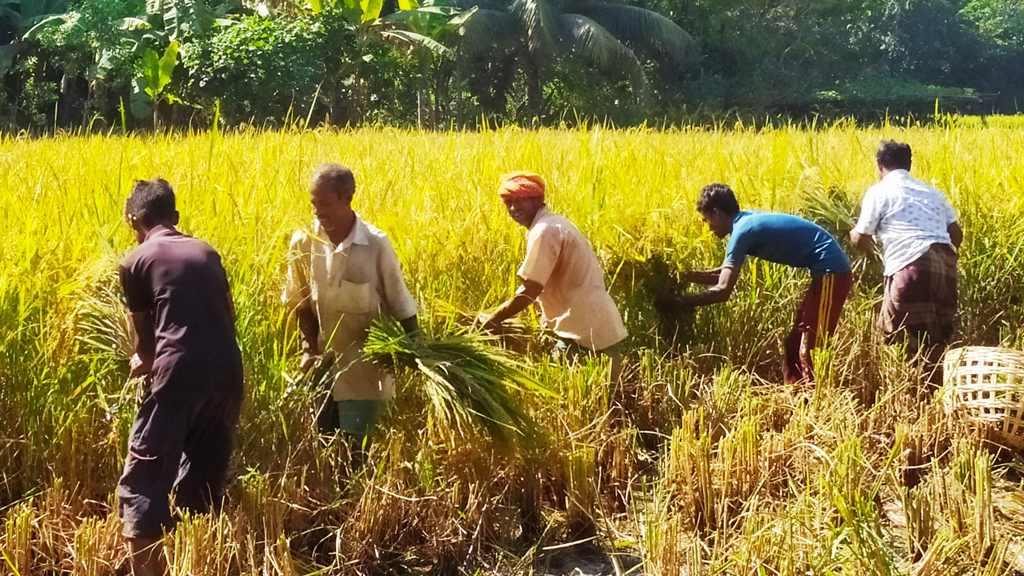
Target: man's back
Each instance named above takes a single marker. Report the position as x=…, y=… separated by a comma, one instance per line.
x=908, y=216
x=785, y=239
x=180, y=280
x=574, y=301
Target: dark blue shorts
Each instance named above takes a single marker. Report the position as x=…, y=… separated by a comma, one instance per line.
x=180, y=444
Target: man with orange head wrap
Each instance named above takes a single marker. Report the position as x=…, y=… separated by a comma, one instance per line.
x=561, y=273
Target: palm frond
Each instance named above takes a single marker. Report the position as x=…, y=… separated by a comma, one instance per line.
x=541, y=23
x=415, y=40
x=592, y=41
x=489, y=31
x=480, y=4
x=635, y=25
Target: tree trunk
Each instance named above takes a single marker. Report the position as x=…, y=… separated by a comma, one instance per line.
x=458, y=89
x=422, y=85
x=419, y=108
x=534, y=90
x=439, y=94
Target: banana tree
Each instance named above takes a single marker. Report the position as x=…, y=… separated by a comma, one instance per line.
x=418, y=28
x=424, y=28
x=20, y=15
x=145, y=37
x=17, y=16
x=150, y=88
x=189, y=19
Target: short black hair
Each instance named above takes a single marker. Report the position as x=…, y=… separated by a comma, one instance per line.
x=893, y=155
x=151, y=202
x=718, y=197
x=338, y=177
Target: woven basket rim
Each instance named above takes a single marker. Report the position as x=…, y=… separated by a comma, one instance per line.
x=987, y=383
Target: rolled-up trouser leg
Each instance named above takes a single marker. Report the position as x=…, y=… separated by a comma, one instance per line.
x=816, y=321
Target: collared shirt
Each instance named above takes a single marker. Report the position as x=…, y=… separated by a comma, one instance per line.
x=348, y=286
x=785, y=239
x=181, y=281
x=574, y=302
x=907, y=215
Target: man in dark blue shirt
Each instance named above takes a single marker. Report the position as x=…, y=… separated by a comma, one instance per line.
x=783, y=239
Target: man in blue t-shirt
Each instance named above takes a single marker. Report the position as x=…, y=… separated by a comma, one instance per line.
x=784, y=239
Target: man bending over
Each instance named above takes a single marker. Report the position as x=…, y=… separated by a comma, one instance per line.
x=783, y=239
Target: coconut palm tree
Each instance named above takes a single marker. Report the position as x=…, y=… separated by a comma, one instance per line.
x=537, y=31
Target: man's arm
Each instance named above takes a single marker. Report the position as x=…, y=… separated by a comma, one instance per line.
x=411, y=325
x=719, y=293
x=297, y=296
x=145, y=349
x=871, y=210
x=956, y=234
x=543, y=248
x=704, y=277
x=230, y=301
x=309, y=333
x=862, y=242
x=138, y=298
x=525, y=295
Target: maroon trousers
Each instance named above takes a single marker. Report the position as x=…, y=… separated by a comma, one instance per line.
x=816, y=320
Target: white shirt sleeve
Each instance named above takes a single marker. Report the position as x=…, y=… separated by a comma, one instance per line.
x=542, y=251
x=871, y=211
x=397, y=298
x=296, y=292
x=950, y=212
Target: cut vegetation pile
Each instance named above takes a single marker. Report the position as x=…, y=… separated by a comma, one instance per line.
x=468, y=380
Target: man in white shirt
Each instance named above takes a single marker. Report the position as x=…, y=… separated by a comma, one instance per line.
x=342, y=274
x=920, y=237
x=562, y=274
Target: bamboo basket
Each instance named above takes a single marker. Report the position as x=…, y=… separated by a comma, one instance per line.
x=988, y=384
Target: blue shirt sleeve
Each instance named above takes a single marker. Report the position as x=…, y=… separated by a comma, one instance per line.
x=736, y=249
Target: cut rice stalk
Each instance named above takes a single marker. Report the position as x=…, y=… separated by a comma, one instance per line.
x=468, y=378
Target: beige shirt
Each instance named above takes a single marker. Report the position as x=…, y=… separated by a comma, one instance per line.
x=348, y=286
x=574, y=303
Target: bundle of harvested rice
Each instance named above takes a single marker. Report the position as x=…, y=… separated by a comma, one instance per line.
x=467, y=378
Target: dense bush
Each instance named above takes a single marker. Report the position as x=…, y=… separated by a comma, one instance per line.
x=782, y=55
x=261, y=69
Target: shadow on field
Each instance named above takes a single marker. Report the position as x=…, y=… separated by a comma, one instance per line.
x=585, y=559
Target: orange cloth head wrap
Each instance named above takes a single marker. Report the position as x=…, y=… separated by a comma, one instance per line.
x=521, y=185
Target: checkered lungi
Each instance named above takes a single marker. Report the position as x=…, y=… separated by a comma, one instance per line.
x=920, y=302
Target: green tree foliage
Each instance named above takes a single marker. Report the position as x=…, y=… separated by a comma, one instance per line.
x=525, y=36
x=261, y=68
x=861, y=54
x=107, y=52
x=71, y=62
